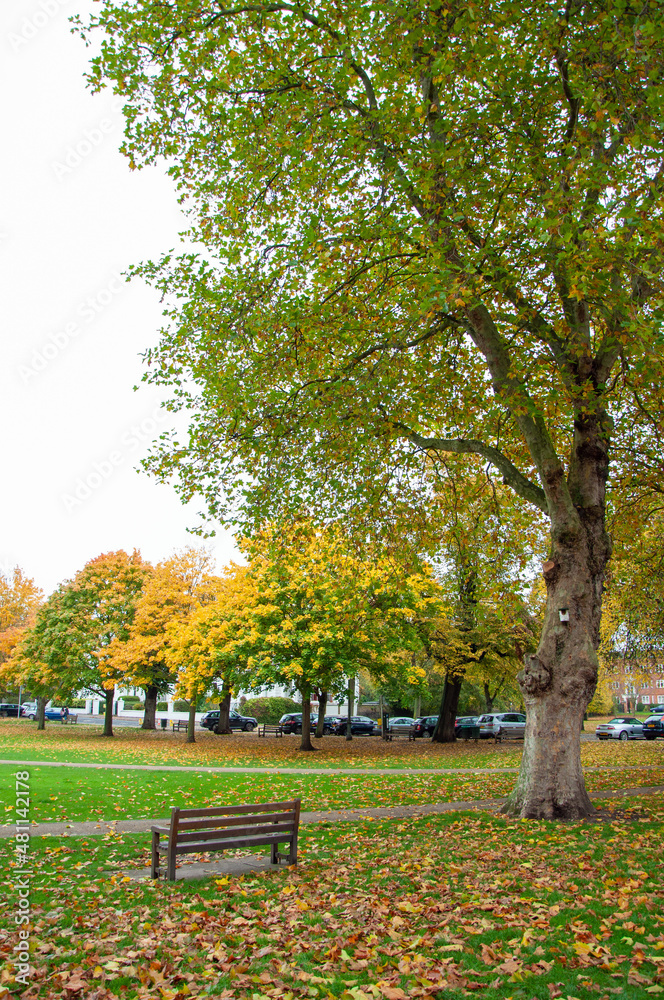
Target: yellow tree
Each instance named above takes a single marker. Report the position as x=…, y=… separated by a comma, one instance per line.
x=307, y=612
x=171, y=593
x=201, y=650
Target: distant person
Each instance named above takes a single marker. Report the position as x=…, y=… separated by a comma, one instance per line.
x=62, y=715
x=66, y=711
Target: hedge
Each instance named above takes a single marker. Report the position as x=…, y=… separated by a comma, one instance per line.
x=269, y=709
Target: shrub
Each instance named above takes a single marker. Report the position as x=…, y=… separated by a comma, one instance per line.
x=131, y=701
x=162, y=706
x=269, y=709
x=77, y=703
x=180, y=705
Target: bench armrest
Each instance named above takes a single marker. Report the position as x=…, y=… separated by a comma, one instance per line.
x=159, y=829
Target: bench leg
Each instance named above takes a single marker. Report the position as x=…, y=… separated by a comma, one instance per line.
x=154, y=861
x=170, y=871
x=292, y=856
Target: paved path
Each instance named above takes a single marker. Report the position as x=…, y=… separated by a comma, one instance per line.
x=277, y=769
x=100, y=827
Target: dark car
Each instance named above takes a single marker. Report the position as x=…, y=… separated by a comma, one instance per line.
x=653, y=727
x=236, y=721
x=291, y=722
x=360, y=725
x=7, y=710
x=426, y=725
x=329, y=723
x=464, y=722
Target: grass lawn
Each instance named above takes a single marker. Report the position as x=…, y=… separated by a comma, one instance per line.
x=90, y=793
x=20, y=740
x=442, y=907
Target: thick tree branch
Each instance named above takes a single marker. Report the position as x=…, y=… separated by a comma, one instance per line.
x=470, y=446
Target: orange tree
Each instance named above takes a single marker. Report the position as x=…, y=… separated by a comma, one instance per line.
x=171, y=592
x=19, y=600
x=427, y=229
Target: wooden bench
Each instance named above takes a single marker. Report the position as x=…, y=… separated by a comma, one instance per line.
x=267, y=730
x=71, y=719
x=223, y=828
x=409, y=734
x=180, y=724
x=508, y=734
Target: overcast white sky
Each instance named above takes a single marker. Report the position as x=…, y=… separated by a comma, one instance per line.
x=73, y=217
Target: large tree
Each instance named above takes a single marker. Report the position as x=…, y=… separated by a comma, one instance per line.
x=427, y=229
x=78, y=623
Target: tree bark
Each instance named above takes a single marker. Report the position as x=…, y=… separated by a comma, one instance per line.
x=191, y=724
x=322, y=709
x=41, y=709
x=306, y=743
x=444, y=731
x=351, y=698
x=150, y=713
x=108, y=712
x=223, y=726
x=559, y=681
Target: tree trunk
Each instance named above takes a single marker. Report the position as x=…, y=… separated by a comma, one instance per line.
x=150, y=713
x=108, y=712
x=351, y=698
x=444, y=731
x=488, y=698
x=559, y=681
x=322, y=709
x=191, y=724
x=306, y=743
x=224, y=725
x=41, y=708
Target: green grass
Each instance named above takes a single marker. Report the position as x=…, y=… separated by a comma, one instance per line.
x=440, y=907
x=59, y=794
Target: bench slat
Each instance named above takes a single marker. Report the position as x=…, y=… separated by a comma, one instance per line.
x=234, y=831
x=256, y=807
x=226, y=845
x=220, y=821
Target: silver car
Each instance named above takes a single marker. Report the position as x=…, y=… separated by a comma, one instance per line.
x=625, y=727
x=493, y=723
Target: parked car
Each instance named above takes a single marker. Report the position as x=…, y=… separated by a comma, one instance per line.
x=492, y=723
x=29, y=709
x=400, y=724
x=653, y=727
x=329, y=723
x=360, y=725
x=624, y=727
x=53, y=714
x=657, y=710
x=236, y=721
x=464, y=721
x=7, y=710
x=425, y=725
x=291, y=722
